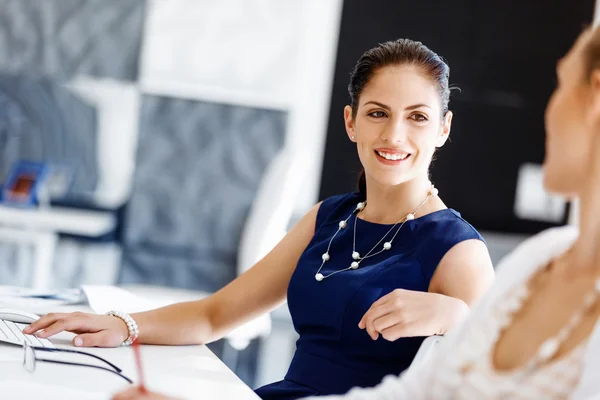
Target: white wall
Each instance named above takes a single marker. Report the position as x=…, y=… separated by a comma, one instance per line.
x=309, y=112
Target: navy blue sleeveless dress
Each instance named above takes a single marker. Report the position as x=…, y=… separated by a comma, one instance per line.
x=333, y=354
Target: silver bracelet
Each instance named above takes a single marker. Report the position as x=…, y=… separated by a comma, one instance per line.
x=132, y=326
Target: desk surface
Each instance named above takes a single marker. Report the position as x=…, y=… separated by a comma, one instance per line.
x=59, y=219
x=188, y=372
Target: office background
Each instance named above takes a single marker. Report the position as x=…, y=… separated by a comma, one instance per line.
x=173, y=113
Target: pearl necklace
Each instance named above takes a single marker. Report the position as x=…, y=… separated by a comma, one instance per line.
x=549, y=348
x=386, y=245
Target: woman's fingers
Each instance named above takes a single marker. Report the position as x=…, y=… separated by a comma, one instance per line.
x=70, y=322
x=43, y=323
x=79, y=323
x=373, y=314
x=389, y=324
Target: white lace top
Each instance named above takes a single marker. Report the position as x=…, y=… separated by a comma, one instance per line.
x=462, y=367
x=480, y=380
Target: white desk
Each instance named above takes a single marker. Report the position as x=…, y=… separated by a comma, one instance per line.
x=58, y=219
x=188, y=372
x=137, y=298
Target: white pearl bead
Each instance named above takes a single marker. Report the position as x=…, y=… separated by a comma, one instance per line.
x=563, y=334
x=434, y=191
x=387, y=246
x=325, y=257
x=360, y=206
x=548, y=349
x=513, y=305
x=319, y=277
x=354, y=265
x=355, y=255
x=410, y=217
x=342, y=224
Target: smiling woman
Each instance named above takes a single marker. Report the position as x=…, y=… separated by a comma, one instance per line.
x=405, y=102
x=387, y=254
x=367, y=275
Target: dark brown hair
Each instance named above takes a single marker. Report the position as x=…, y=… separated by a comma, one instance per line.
x=397, y=52
x=591, y=53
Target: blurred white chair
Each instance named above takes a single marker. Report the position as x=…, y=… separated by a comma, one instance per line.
x=267, y=223
x=273, y=206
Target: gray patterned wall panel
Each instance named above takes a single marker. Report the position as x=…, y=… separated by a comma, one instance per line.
x=42, y=121
x=62, y=38
x=198, y=168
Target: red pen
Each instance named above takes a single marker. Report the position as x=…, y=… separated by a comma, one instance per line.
x=138, y=361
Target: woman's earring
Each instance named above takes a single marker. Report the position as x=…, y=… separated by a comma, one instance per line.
x=352, y=137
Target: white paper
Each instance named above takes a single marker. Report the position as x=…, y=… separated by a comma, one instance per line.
x=102, y=299
x=70, y=295
x=27, y=299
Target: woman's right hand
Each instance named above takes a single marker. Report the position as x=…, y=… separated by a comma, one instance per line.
x=92, y=330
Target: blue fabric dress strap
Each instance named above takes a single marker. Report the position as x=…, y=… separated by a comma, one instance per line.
x=336, y=208
x=437, y=236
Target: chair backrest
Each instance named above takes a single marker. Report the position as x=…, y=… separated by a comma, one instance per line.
x=272, y=209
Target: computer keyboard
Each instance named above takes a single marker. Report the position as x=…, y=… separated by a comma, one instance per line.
x=10, y=332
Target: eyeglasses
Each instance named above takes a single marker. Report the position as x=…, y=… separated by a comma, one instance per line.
x=30, y=359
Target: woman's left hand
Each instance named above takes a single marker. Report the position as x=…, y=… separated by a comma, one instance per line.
x=136, y=393
x=407, y=313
